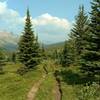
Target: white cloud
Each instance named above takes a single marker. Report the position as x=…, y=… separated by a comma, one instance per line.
x=46, y=19
x=3, y=6
x=52, y=29
x=10, y=18
x=49, y=28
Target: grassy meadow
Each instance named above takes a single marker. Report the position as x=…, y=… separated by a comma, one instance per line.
x=16, y=87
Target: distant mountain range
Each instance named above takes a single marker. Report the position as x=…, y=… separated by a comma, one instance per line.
x=8, y=41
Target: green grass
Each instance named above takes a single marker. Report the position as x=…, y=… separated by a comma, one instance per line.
x=46, y=91
x=72, y=85
x=68, y=77
x=68, y=92
x=14, y=86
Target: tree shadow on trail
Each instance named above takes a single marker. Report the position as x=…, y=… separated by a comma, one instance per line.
x=73, y=78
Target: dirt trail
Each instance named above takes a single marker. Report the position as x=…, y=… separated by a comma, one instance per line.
x=32, y=93
x=58, y=91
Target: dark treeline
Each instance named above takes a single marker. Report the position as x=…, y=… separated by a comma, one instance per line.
x=83, y=47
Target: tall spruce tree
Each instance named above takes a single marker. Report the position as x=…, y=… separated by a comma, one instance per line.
x=43, y=53
x=13, y=57
x=2, y=61
x=28, y=45
x=79, y=30
x=91, y=54
x=66, y=57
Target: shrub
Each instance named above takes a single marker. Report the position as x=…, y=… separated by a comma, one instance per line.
x=89, y=92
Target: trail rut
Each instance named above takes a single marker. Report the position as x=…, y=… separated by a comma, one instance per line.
x=58, y=91
x=32, y=93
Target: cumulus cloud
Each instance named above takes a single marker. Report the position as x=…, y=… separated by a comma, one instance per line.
x=46, y=19
x=8, y=14
x=49, y=28
x=9, y=18
x=54, y=29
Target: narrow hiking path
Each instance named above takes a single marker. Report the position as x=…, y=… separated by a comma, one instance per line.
x=32, y=93
x=57, y=89
x=57, y=92
x=49, y=84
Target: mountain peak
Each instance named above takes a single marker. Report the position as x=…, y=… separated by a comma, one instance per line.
x=8, y=40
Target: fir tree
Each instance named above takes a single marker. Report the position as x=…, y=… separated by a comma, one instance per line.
x=28, y=45
x=14, y=57
x=37, y=49
x=91, y=54
x=2, y=61
x=65, y=58
x=55, y=55
x=79, y=30
x=43, y=53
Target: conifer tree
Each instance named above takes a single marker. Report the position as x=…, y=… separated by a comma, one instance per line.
x=91, y=54
x=14, y=57
x=37, y=49
x=43, y=53
x=28, y=45
x=2, y=61
x=55, y=55
x=65, y=58
x=79, y=30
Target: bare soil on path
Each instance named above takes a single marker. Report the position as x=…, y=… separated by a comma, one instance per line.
x=57, y=90
x=32, y=93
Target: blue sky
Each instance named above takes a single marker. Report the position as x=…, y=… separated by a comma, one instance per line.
x=59, y=8
x=52, y=19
